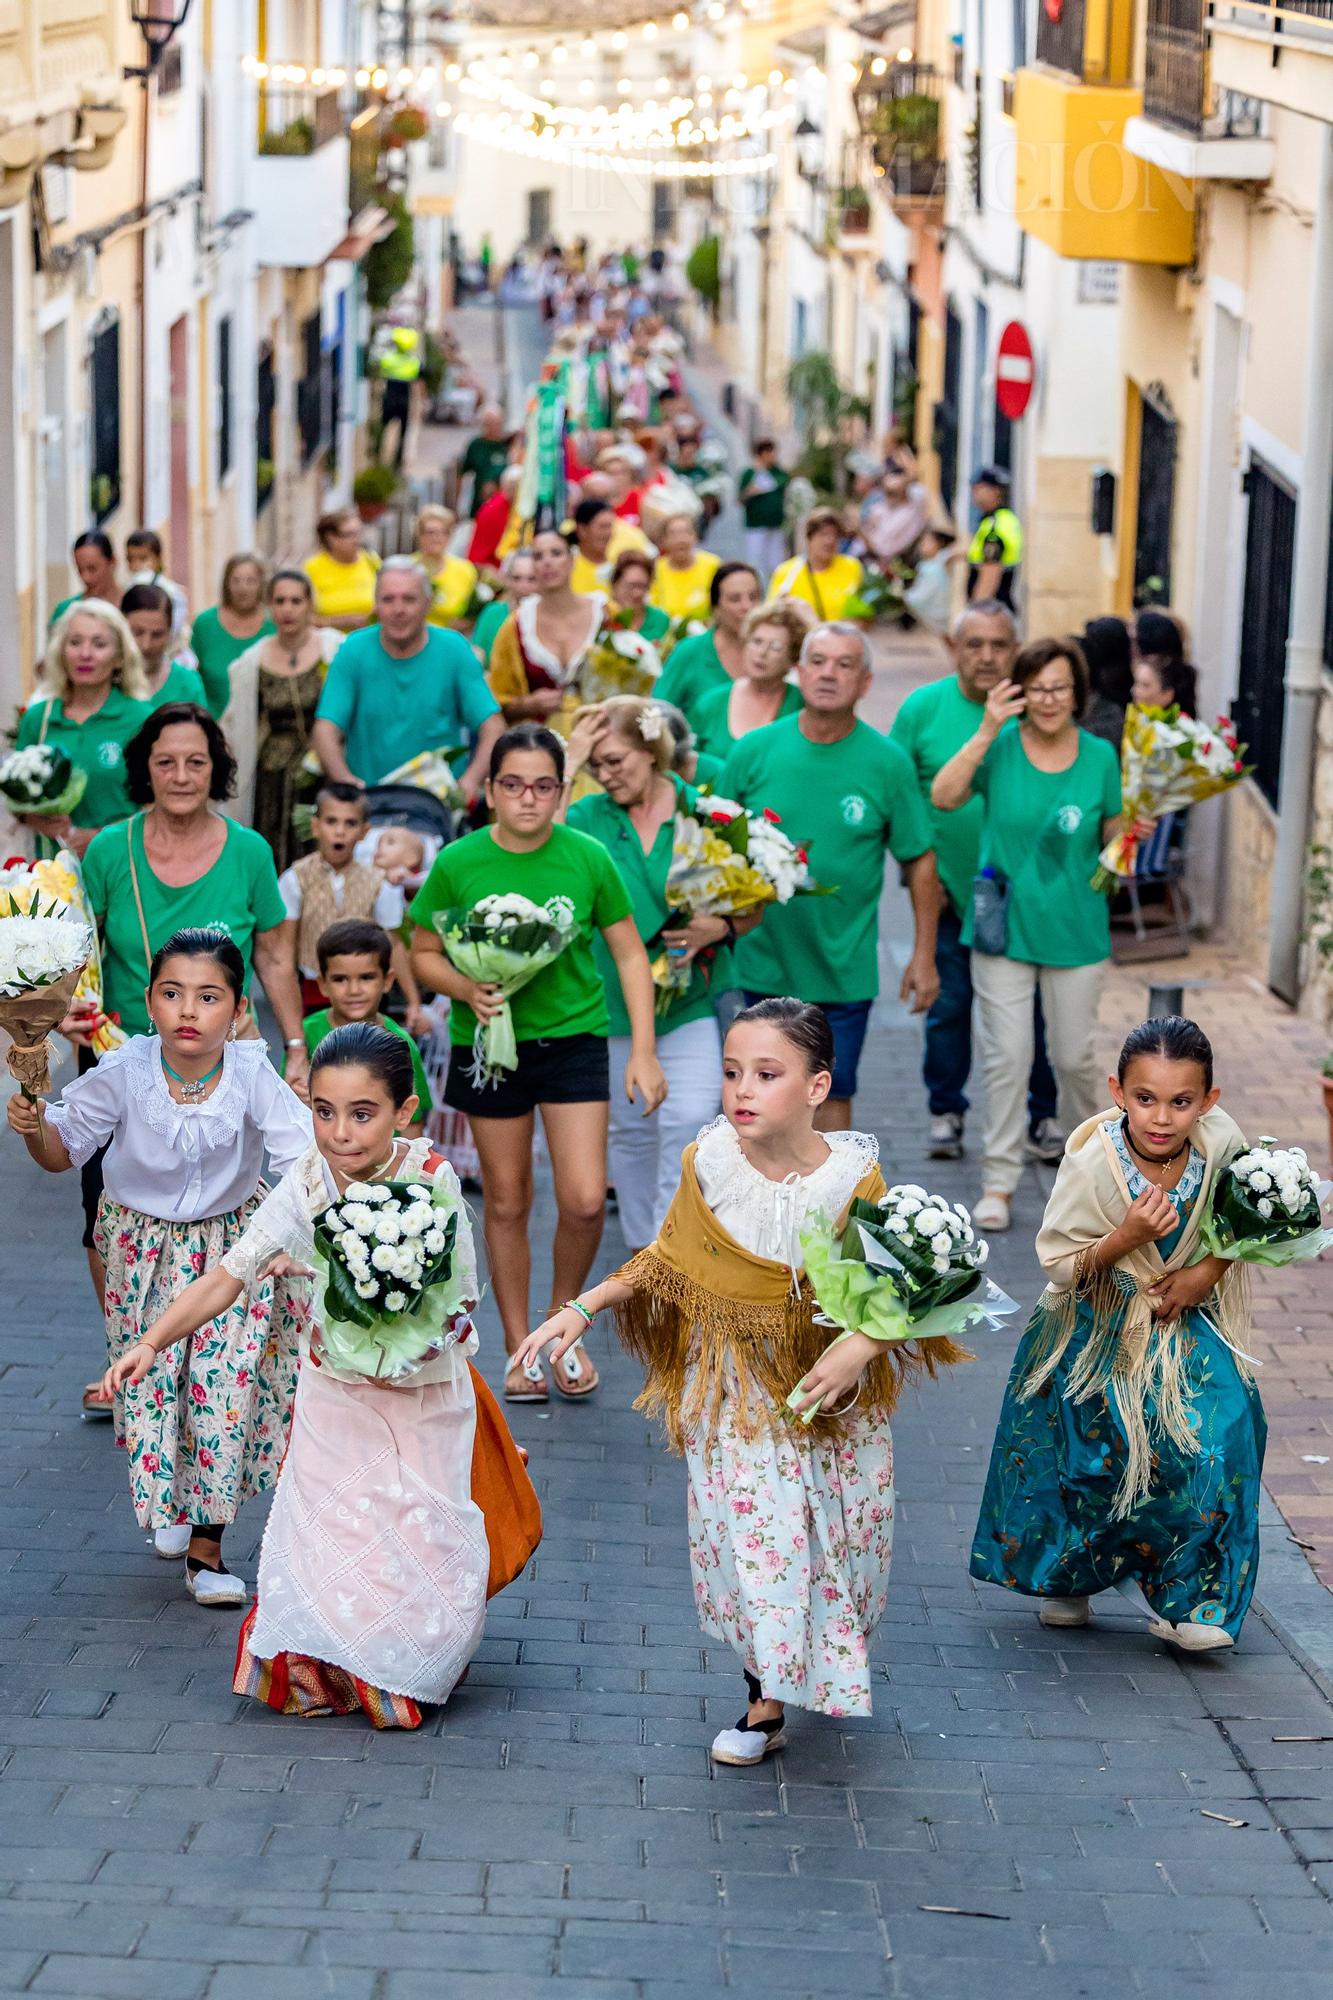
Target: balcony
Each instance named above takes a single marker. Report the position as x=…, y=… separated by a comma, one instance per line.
x=1077, y=186
x=1282, y=54
x=899, y=108
x=1188, y=128
x=301, y=176
x=62, y=93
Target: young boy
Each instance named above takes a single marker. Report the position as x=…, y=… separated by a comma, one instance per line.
x=331, y=883
x=355, y=973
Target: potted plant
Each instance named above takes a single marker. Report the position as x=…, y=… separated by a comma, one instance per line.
x=854, y=211
x=408, y=124
x=372, y=490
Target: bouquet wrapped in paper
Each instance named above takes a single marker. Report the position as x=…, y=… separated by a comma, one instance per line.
x=44, y=947
x=502, y=941
x=61, y=879
x=1266, y=1208
x=618, y=662
x=41, y=779
x=1167, y=761
x=391, y=1287
x=909, y=1267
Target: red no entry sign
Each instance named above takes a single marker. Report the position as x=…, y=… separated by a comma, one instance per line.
x=1014, y=371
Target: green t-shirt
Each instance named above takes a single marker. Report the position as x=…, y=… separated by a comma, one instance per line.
x=763, y=496
x=932, y=726
x=847, y=802
x=181, y=684
x=238, y=894
x=483, y=462
x=217, y=653
x=96, y=746
x=693, y=671
x=316, y=1026
x=712, y=725
x=570, y=870
x=1042, y=833
x=644, y=875
x=389, y=710
x=655, y=624
x=708, y=771
x=488, y=625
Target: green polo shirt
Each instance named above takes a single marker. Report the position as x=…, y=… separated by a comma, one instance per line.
x=96, y=746
x=644, y=875
x=181, y=684
x=389, y=710
x=693, y=671
x=217, y=653
x=932, y=726
x=712, y=722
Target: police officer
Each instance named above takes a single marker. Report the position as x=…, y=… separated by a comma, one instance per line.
x=996, y=549
x=400, y=367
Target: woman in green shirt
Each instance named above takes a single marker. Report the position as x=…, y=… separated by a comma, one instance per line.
x=772, y=637
x=147, y=611
x=627, y=748
x=631, y=580
x=94, y=698
x=1051, y=800
x=221, y=634
x=561, y=1023
x=712, y=659
x=94, y=559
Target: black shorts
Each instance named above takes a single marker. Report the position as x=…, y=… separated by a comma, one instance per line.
x=90, y=1173
x=566, y=1069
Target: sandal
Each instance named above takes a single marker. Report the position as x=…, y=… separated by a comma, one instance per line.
x=568, y=1376
x=525, y=1383
x=92, y=1409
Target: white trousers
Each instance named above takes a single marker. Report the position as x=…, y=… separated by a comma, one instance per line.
x=1069, y=994
x=644, y=1153
x=765, y=548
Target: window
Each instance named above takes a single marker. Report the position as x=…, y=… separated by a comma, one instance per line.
x=1261, y=695
x=104, y=388
x=539, y=215
x=224, y=397
x=310, y=391
x=266, y=397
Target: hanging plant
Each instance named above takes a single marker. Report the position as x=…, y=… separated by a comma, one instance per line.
x=388, y=264
x=704, y=270
x=408, y=124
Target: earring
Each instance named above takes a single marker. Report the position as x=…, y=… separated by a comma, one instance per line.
x=231, y=1032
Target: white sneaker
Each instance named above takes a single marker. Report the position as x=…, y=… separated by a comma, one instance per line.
x=171, y=1543
x=1046, y=1142
x=1192, y=1638
x=1058, y=1612
x=946, y=1136
x=745, y=1746
x=216, y=1587
x=991, y=1214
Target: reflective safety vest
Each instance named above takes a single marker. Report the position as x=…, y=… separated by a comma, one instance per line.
x=999, y=538
x=401, y=364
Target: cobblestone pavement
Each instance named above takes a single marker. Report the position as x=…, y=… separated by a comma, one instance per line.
x=1127, y=1825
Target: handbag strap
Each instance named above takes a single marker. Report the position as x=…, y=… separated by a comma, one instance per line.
x=137, y=818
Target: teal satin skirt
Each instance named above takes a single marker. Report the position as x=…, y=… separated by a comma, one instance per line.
x=1046, y=1526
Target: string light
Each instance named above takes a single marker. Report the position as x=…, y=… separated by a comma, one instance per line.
x=506, y=136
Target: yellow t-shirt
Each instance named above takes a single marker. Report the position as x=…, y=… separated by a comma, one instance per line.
x=585, y=577
x=343, y=590
x=454, y=581
x=683, y=593
x=826, y=591
x=626, y=536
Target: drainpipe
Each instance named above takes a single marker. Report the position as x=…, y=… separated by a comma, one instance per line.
x=1309, y=585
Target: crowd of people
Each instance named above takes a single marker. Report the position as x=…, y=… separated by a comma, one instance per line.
x=566, y=680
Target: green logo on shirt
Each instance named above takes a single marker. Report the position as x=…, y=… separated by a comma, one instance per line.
x=109, y=755
x=854, y=809
x=1069, y=819
x=560, y=909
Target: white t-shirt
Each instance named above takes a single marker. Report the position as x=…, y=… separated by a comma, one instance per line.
x=387, y=913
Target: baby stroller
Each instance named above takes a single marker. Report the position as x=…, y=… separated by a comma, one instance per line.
x=433, y=820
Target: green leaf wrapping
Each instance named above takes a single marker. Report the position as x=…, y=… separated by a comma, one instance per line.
x=1233, y=1228
x=356, y=1335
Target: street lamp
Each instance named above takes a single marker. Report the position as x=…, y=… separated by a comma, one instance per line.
x=158, y=21
x=809, y=150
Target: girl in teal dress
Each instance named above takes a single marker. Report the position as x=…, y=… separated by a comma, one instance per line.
x=1131, y=1437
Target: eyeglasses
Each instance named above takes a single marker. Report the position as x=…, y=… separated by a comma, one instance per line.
x=516, y=788
x=1057, y=693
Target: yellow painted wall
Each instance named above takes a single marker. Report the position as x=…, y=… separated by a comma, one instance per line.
x=1075, y=186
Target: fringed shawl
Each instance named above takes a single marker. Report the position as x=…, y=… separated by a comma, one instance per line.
x=713, y=1323
x=1130, y=1357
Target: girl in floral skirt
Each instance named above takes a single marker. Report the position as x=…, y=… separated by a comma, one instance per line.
x=189, y=1113
x=791, y=1527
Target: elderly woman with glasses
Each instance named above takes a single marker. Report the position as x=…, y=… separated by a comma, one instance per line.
x=1051, y=799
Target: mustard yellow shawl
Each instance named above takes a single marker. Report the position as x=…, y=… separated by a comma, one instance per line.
x=1130, y=1357
x=713, y=1323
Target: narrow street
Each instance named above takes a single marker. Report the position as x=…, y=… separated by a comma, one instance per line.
x=1045, y=1814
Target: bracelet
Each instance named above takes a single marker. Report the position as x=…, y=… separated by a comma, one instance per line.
x=297, y=1042
x=577, y=1305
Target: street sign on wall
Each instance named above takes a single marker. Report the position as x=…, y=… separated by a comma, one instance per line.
x=1014, y=371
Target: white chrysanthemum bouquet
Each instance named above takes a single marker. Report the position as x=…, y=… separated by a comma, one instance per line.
x=391, y=1286
x=44, y=947
x=61, y=880
x=1265, y=1208
x=41, y=779
x=1168, y=761
x=621, y=661
x=502, y=941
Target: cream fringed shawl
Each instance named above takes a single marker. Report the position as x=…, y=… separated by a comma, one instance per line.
x=1129, y=1357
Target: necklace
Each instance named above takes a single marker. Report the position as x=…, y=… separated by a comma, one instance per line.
x=1147, y=1158
x=192, y=1088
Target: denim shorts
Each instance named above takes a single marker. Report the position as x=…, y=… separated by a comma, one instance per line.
x=848, y=1021
x=564, y=1069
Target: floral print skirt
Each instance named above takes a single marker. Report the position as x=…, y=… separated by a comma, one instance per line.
x=208, y=1426
x=791, y=1537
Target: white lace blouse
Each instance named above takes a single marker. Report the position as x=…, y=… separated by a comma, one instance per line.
x=563, y=672
x=766, y=1217
x=181, y=1162
x=284, y=1224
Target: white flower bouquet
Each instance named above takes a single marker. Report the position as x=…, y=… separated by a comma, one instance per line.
x=44, y=948
x=619, y=662
x=41, y=779
x=390, y=1289
x=909, y=1267
x=679, y=629
x=61, y=880
x=502, y=941
x=1167, y=761
x=1265, y=1208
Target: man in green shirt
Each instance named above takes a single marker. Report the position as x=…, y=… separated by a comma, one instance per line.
x=762, y=491
x=932, y=725
x=848, y=794
x=402, y=686
x=486, y=457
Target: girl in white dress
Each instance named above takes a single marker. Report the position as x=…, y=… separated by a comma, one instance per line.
x=189, y=1113
x=373, y=1574
x=791, y=1527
